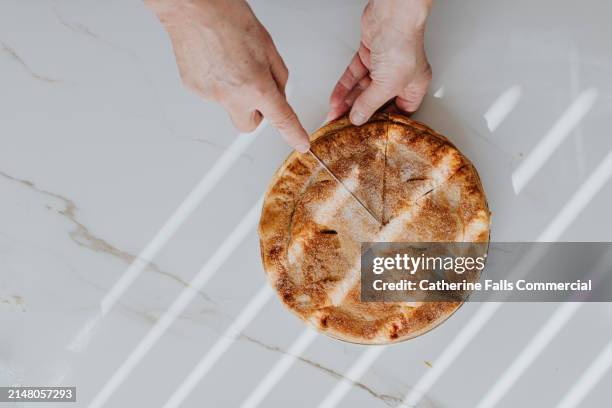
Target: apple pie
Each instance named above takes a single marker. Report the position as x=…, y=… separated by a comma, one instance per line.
x=411, y=178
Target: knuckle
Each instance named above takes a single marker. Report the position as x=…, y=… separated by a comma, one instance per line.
x=285, y=74
x=352, y=72
x=364, y=82
x=266, y=37
x=283, y=68
x=284, y=77
x=345, y=81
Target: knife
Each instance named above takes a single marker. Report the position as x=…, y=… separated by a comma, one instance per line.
x=343, y=186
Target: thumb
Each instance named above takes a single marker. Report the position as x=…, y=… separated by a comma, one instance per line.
x=372, y=98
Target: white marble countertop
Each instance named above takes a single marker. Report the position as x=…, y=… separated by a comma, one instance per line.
x=104, y=156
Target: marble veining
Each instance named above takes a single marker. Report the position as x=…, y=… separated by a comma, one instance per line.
x=8, y=50
x=82, y=236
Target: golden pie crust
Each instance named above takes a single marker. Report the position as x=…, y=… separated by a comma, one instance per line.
x=311, y=229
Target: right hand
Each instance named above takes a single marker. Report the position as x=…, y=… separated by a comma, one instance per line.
x=390, y=63
x=224, y=54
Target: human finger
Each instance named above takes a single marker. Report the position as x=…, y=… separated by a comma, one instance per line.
x=279, y=70
x=372, y=98
x=281, y=115
x=356, y=91
x=351, y=76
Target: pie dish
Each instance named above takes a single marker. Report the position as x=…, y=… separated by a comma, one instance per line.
x=411, y=178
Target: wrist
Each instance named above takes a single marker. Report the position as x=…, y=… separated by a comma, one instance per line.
x=203, y=10
x=407, y=16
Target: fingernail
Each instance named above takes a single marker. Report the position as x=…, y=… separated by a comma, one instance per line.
x=329, y=117
x=357, y=118
x=302, y=148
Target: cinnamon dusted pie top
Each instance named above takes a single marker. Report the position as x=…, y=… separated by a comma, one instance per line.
x=311, y=229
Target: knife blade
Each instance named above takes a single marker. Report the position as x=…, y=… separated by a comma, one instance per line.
x=343, y=186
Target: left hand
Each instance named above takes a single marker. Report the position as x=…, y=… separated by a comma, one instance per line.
x=390, y=63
